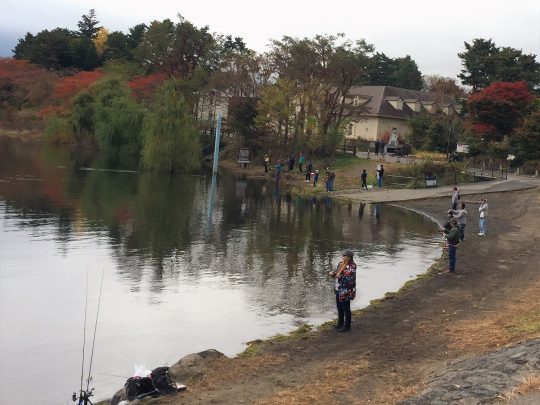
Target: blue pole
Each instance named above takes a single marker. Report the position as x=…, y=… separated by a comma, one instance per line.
x=216, y=144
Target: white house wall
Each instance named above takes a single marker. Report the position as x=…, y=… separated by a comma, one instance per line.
x=373, y=128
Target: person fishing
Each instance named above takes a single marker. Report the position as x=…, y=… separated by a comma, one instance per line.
x=345, y=290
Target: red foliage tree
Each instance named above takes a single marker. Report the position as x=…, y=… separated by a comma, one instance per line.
x=71, y=85
x=144, y=87
x=501, y=106
x=24, y=84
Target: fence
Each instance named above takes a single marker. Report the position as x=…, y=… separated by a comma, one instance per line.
x=486, y=174
x=400, y=181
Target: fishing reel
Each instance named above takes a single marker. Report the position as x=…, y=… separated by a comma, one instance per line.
x=84, y=397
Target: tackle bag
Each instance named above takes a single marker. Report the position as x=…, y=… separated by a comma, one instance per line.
x=136, y=386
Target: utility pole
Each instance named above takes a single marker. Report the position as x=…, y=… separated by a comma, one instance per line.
x=216, y=144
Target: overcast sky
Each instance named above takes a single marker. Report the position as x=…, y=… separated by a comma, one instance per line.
x=432, y=33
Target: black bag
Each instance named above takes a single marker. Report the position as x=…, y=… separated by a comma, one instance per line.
x=162, y=382
x=136, y=386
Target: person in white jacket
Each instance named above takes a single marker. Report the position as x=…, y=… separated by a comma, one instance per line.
x=483, y=213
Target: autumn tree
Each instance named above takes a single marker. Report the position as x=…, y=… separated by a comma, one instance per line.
x=100, y=40
x=501, y=106
x=144, y=87
x=443, y=85
x=69, y=86
x=484, y=63
x=23, y=84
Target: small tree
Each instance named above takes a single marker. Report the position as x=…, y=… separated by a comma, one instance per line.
x=88, y=25
x=500, y=105
x=171, y=142
x=525, y=143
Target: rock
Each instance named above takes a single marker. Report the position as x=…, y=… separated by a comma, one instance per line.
x=193, y=366
x=482, y=378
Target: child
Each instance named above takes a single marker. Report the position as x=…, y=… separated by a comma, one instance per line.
x=315, y=178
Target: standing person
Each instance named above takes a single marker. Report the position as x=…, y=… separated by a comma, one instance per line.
x=455, y=198
x=461, y=216
x=452, y=240
x=345, y=290
x=331, y=178
x=266, y=161
x=363, y=177
x=309, y=170
x=315, y=178
x=447, y=225
x=326, y=180
x=483, y=210
x=376, y=147
x=380, y=174
x=291, y=163
x=300, y=162
x=278, y=168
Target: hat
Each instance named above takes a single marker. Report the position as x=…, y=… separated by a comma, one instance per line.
x=348, y=253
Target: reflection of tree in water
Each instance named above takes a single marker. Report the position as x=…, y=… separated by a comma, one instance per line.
x=279, y=248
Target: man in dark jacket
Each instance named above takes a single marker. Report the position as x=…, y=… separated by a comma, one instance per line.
x=452, y=240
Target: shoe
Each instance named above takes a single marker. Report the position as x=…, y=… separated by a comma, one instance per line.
x=480, y=234
x=338, y=327
x=449, y=271
x=345, y=329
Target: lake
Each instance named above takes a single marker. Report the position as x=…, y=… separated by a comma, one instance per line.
x=190, y=262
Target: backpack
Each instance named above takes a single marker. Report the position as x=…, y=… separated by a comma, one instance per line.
x=161, y=381
x=136, y=386
x=158, y=383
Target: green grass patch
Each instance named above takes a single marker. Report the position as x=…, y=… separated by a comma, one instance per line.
x=527, y=324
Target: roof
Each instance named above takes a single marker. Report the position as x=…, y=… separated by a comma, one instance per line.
x=378, y=99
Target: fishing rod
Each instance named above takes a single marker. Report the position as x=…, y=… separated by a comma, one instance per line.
x=84, y=395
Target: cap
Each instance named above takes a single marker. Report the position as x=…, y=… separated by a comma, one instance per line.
x=348, y=253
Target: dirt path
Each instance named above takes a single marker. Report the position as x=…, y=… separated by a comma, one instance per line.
x=396, y=345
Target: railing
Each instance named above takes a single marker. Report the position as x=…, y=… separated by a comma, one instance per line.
x=489, y=174
x=400, y=181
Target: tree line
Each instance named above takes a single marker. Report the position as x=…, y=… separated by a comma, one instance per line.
x=137, y=91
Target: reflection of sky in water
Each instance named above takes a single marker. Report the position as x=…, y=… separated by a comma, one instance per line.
x=178, y=278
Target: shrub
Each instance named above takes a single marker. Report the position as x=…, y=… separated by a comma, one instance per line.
x=58, y=129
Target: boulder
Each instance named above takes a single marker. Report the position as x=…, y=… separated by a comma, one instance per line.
x=193, y=366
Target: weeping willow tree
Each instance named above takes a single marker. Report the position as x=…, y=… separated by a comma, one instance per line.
x=171, y=142
x=117, y=117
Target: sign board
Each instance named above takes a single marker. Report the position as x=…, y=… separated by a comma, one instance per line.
x=462, y=148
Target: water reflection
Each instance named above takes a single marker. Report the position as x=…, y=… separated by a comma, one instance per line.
x=185, y=256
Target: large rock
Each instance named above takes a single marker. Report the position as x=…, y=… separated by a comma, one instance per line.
x=193, y=366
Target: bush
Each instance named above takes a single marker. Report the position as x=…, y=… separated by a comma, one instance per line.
x=58, y=129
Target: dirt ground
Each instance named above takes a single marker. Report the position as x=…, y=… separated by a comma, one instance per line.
x=396, y=345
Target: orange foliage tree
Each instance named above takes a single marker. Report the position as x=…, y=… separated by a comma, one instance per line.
x=68, y=86
x=144, y=87
x=23, y=84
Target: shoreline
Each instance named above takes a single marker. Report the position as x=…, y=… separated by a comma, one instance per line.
x=414, y=356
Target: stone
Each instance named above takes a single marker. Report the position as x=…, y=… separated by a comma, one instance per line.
x=193, y=366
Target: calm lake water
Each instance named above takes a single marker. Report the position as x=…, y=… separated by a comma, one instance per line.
x=185, y=268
